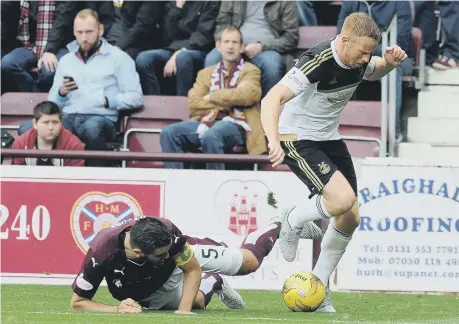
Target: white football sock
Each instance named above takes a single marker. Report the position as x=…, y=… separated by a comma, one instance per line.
x=312, y=210
x=207, y=283
x=333, y=245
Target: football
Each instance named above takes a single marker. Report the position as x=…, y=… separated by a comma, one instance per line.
x=303, y=292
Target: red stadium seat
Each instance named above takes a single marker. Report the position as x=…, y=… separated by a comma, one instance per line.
x=17, y=107
x=361, y=118
x=360, y=127
x=313, y=35
x=143, y=127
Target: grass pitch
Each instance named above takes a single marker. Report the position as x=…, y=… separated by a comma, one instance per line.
x=50, y=304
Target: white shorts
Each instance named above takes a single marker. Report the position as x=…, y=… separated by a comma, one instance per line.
x=218, y=259
x=212, y=258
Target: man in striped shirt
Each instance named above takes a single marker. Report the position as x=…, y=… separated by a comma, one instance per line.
x=306, y=137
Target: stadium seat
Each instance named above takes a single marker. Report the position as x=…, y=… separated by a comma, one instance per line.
x=360, y=127
x=313, y=35
x=143, y=127
x=17, y=107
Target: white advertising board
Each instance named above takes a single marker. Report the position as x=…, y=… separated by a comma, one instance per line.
x=408, y=238
x=54, y=212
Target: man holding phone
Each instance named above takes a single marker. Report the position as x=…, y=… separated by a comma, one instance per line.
x=69, y=85
x=93, y=82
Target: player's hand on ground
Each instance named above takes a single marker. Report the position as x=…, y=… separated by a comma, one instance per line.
x=179, y=312
x=129, y=306
x=394, y=55
x=276, y=153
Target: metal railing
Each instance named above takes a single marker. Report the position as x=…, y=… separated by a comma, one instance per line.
x=125, y=147
x=389, y=90
x=136, y=130
x=138, y=156
x=365, y=139
x=421, y=79
x=389, y=93
x=9, y=127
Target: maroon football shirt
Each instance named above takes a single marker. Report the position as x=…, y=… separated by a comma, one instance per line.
x=106, y=258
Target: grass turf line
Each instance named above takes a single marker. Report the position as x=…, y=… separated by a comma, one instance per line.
x=50, y=304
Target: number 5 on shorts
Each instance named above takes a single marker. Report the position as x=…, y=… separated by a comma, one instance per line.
x=209, y=253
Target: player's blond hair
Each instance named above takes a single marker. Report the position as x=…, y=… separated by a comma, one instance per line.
x=87, y=13
x=362, y=25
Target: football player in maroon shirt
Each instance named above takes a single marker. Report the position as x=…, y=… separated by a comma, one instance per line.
x=148, y=264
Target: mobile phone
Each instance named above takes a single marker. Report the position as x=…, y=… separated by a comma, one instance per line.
x=71, y=80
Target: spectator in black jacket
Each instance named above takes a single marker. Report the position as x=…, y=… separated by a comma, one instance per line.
x=25, y=29
x=129, y=25
x=187, y=33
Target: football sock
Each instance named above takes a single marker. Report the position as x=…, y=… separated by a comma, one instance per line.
x=210, y=282
x=312, y=210
x=332, y=248
x=261, y=242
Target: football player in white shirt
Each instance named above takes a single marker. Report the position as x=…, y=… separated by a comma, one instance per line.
x=306, y=138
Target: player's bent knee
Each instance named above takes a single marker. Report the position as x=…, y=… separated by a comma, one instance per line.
x=339, y=197
x=249, y=263
x=339, y=202
x=349, y=221
x=352, y=217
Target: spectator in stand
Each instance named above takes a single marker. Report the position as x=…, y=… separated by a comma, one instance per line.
x=269, y=29
x=427, y=22
x=223, y=106
x=25, y=29
x=382, y=13
x=187, y=32
x=92, y=84
x=306, y=13
x=47, y=134
x=128, y=25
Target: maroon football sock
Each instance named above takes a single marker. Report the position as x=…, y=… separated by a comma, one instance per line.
x=261, y=242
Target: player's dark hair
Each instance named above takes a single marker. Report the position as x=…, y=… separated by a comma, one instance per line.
x=46, y=108
x=149, y=233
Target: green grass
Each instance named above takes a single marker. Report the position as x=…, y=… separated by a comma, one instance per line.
x=50, y=304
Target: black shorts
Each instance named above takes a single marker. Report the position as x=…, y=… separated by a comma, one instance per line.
x=314, y=162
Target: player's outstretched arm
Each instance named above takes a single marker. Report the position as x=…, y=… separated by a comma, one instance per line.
x=393, y=57
x=270, y=111
x=191, y=279
x=79, y=303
